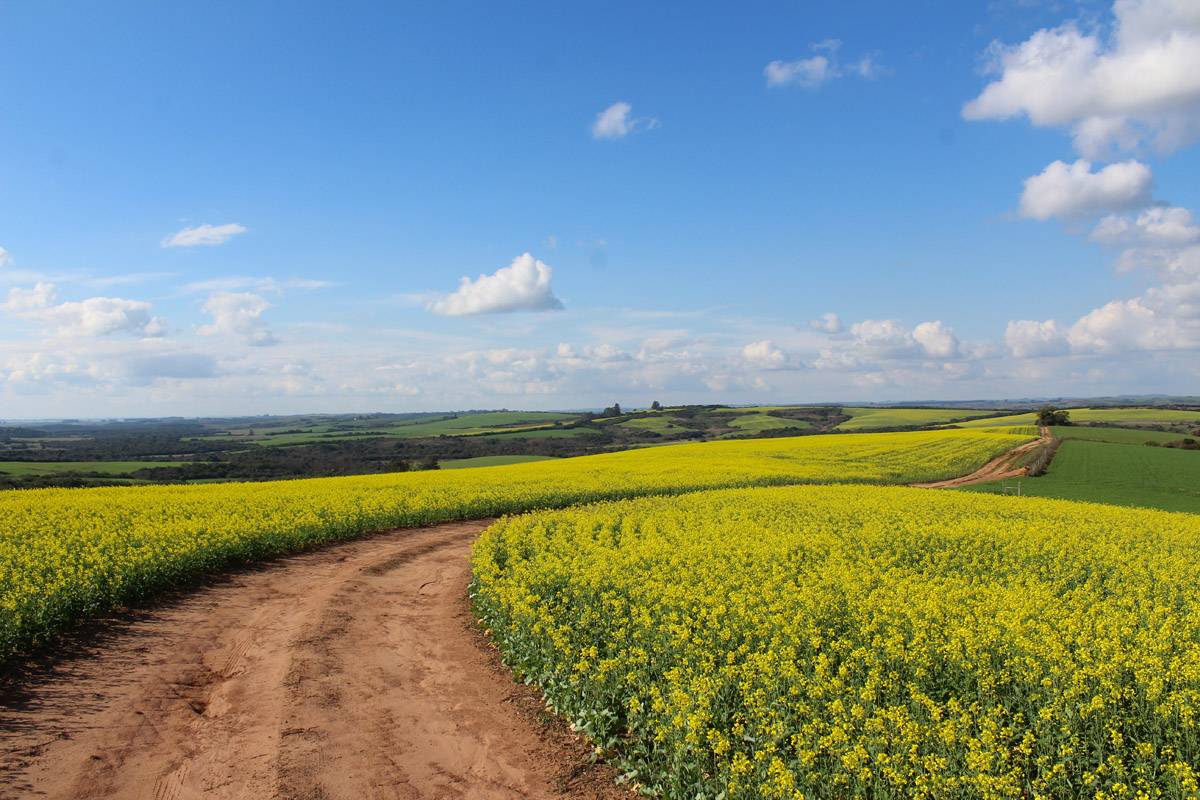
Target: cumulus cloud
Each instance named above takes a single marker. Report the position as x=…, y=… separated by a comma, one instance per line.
x=5, y=258
x=1069, y=191
x=829, y=323
x=238, y=314
x=38, y=297
x=764, y=355
x=1162, y=318
x=874, y=343
x=524, y=285
x=885, y=336
x=618, y=121
x=819, y=69
x=95, y=316
x=203, y=235
x=1029, y=338
x=936, y=339
x=1139, y=84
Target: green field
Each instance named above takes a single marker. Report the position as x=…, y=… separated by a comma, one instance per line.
x=865, y=418
x=1125, y=416
x=546, y=433
x=1133, y=416
x=758, y=422
x=1120, y=474
x=468, y=424
x=38, y=468
x=655, y=424
x=1114, y=435
x=490, y=461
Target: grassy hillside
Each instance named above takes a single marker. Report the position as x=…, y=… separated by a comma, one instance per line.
x=750, y=423
x=865, y=418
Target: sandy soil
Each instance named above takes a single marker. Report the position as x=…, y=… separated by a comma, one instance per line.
x=1004, y=466
x=354, y=672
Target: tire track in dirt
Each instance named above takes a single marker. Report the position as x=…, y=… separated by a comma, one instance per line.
x=1006, y=465
x=355, y=671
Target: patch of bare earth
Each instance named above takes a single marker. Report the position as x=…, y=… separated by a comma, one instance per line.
x=355, y=671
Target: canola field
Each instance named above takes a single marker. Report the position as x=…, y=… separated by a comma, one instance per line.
x=70, y=554
x=856, y=641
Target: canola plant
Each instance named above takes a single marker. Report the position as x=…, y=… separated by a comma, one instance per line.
x=69, y=554
x=860, y=641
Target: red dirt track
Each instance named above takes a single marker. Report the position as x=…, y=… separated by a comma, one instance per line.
x=355, y=671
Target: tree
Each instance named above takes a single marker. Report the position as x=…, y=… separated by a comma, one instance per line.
x=1049, y=415
x=656, y=406
x=612, y=411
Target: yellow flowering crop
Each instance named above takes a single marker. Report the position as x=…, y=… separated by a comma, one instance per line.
x=66, y=554
x=855, y=641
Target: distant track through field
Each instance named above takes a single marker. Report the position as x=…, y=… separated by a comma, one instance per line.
x=1004, y=466
x=354, y=671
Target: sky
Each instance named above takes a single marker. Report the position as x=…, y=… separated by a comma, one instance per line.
x=230, y=208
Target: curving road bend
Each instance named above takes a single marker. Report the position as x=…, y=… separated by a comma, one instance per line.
x=354, y=671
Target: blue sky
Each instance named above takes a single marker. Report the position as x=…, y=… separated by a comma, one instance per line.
x=330, y=172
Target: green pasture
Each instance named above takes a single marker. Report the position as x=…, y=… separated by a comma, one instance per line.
x=490, y=461
x=865, y=418
x=1119, y=474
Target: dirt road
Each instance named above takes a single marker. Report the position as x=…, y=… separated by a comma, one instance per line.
x=353, y=672
x=1006, y=465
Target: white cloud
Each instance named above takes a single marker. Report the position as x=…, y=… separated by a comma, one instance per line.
x=5, y=258
x=203, y=235
x=876, y=344
x=808, y=73
x=1029, y=339
x=24, y=300
x=1120, y=325
x=829, y=323
x=1140, y=84
x=256, y=284
x=524, y=285
x=819, y=69
x=618, y=121
x=936, y=339
x=95, y=316
x=1072, y=190
x=764, y=354
x=238, y=314
x=1162, y=226
x=887, y=336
